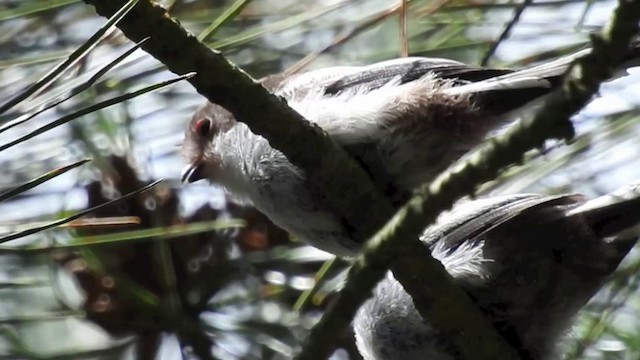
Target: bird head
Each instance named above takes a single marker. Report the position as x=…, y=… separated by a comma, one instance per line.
x=198, y=148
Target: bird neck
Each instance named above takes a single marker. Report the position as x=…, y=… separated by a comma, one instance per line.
x=238, y=150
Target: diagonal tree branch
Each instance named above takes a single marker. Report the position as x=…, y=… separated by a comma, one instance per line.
x=227, y=85
x=348, y=187
x=223, y=83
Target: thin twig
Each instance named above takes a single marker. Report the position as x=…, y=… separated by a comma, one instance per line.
x=404, y=43
x=506, y=32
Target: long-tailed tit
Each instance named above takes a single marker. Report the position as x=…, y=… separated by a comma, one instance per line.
x=404, y=120
x=530, y=262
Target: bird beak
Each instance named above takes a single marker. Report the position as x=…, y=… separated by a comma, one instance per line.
x=192, y=172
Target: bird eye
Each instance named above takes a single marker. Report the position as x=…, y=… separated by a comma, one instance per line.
x=202, y=127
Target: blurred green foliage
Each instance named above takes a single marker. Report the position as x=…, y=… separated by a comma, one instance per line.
x=173, y=272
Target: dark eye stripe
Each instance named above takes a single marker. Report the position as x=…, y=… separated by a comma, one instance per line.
x=202, y=127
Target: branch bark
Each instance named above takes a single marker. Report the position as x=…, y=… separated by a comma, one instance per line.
x=348, y=187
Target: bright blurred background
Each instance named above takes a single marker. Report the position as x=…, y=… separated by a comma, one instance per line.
x=130, y=290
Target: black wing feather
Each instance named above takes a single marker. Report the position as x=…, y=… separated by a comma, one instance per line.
x=405, y=71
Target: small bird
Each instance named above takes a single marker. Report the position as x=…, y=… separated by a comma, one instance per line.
x=528, y=261
x=403, y=120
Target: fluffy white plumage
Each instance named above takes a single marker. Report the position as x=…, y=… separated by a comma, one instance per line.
x=402, y=119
